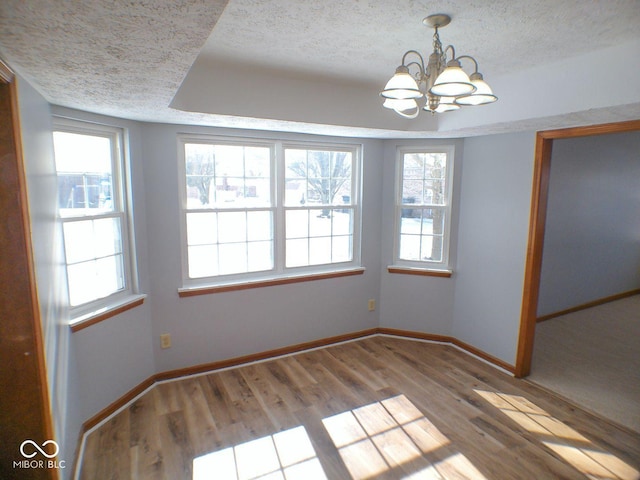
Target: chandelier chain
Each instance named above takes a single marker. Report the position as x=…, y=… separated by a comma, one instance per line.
x=437, y=44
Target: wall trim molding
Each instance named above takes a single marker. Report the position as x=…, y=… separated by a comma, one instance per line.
x=469, y=349
x=176, y=374
x=594, y=303
x=171, y=375
x=218, y=365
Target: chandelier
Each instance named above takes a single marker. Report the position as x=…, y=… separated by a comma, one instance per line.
x=443, y=83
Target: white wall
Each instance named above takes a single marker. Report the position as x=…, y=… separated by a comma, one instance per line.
x=219, y=326
x=592, y=234
x=215, y=87
x=89, y=369
x=46, y=236
x=562, y=87
x=492, y=242
x=411, y=302
x=115, y=355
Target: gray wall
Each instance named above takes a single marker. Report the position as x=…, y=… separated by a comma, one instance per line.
x=213, y=327
x=480, y=304
x=411, y=302
x=492, y=241
x=87, y=370
x=46, y=236
x=592, y=236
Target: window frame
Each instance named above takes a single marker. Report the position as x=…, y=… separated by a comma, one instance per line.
x=122, y=200
x=277, y=176
x=444, y=267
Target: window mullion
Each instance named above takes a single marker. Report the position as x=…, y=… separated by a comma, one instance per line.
x=279, y=220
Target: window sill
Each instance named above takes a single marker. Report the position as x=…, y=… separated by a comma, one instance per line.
x=109, y=311
x=230, y=287
x=425, y=272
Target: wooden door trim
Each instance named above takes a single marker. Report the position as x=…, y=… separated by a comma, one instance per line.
x=7, y=77
x=537, y=221
x=6, y=74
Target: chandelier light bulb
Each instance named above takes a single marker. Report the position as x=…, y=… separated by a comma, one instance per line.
x=452, y=82
x=401, y=86
x=481, y=96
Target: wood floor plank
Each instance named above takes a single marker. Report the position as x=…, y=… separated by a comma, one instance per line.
x=199, y=421
x=112, y=445
x=252, y=423
x=146, y=450
x=219, y=401
x=178, y=452
x=267, y=394
x=379, y=407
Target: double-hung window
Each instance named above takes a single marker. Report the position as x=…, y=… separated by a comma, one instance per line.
x=423, y=207
x=229, y=208
x=260, y=209
x=319, y=212
x=93, y=210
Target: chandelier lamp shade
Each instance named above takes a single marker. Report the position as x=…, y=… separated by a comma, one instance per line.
x=439, y=86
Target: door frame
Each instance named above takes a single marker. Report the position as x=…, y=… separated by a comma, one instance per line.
x=537, y=221
x=28, y=356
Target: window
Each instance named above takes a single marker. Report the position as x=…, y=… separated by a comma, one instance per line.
x=318, y=209
x=92, y=208
x=423, y=207
x=262, y=209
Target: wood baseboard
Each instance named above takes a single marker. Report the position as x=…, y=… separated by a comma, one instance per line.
x=584, y=306
x=209, y=367
x=450, y=340
x=278, y=352
x=255, y=357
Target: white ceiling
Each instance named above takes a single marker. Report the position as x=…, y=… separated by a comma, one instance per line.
x=239, y=61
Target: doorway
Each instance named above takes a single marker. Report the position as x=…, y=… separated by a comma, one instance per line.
x=537, y=219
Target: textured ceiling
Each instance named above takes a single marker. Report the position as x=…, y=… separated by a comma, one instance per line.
x=116, y=57
x=128, y=59
x=364, y=40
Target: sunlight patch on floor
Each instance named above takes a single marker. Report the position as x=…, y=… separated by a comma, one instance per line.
x=393, y=435
x=577, y=450
x=284, y=455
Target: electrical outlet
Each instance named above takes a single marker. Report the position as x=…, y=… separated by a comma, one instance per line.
x=372, y=304
x=165, y=340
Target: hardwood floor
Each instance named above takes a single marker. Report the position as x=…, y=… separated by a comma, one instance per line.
x=380, y=407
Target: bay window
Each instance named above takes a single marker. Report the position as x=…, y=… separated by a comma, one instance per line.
x=262, y=209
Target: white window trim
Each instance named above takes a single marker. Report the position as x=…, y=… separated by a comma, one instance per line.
x=121, y=177
x=280, y=272
x=402, y=264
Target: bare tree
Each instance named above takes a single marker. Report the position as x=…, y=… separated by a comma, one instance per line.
x=326, y=173
x=200, y=173
x=437, y=187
